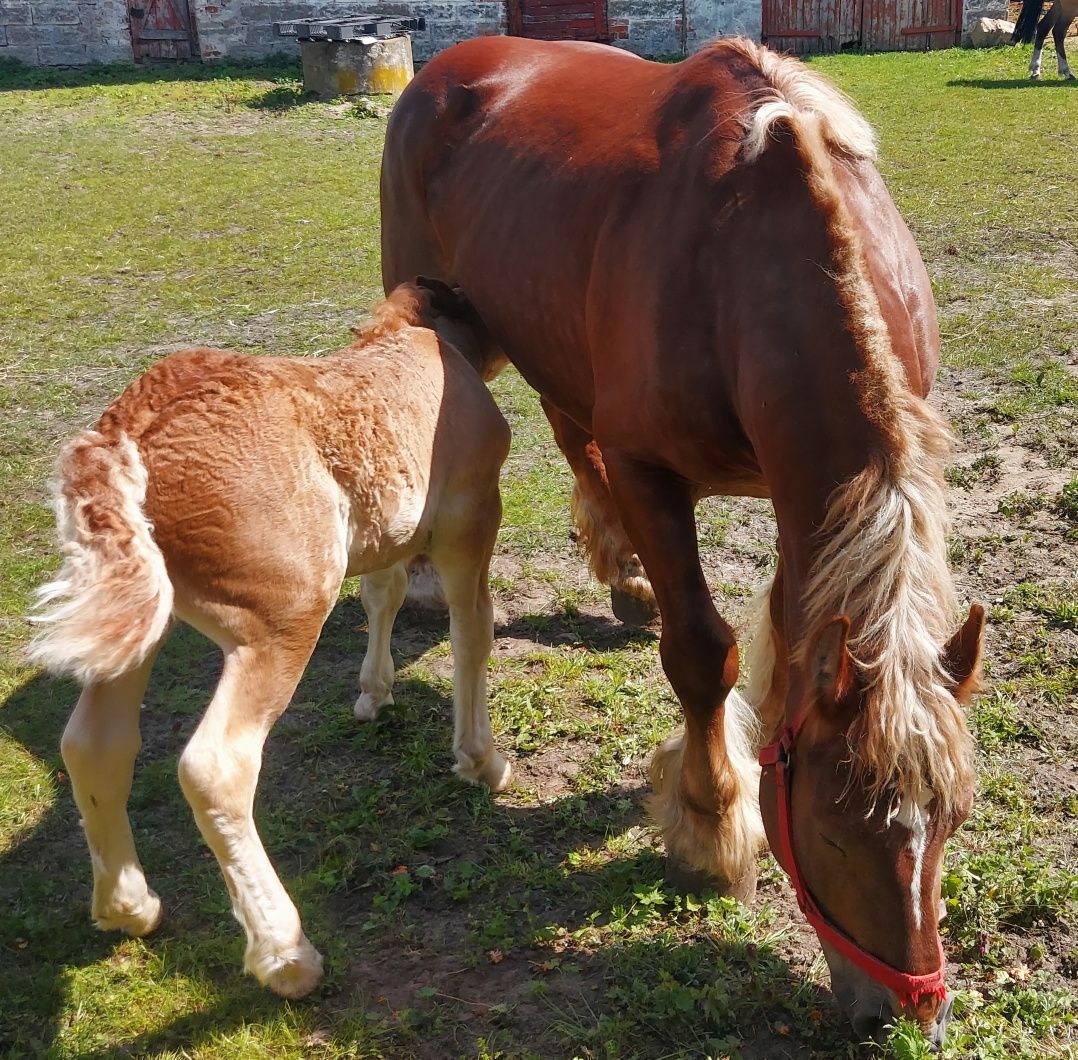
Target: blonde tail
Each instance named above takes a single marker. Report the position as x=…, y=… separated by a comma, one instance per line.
x=111, y=601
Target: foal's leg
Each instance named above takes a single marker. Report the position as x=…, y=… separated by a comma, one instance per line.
x=611, y=556
x=706, y=779
x=218, y=772
x=462, y=556
x=99, y=747
x=383, y=593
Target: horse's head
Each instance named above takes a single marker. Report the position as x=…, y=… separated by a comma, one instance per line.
x=867, y=855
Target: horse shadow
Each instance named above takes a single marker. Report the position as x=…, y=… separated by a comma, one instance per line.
x=1010, y=83
x=18, y=77
x=332, y=792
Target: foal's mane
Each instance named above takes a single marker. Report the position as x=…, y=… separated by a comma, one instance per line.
x=882, y=554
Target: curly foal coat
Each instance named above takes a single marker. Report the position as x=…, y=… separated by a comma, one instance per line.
x=237, y=493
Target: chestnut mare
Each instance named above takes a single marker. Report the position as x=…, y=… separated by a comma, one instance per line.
x=236, y=493
x=701, y=272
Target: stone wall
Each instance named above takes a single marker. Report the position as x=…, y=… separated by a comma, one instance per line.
x=243, y=29
x=64, y=32
x=974, y=10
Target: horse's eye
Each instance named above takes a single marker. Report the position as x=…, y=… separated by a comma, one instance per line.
x=832, y=843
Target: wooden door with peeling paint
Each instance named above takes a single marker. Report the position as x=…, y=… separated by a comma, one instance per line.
x=802, y=26
x=162, y=29
x=558, y=19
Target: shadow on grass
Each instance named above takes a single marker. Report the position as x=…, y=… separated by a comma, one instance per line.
x=1012, y=83
x=425, y=895
x=18, y=77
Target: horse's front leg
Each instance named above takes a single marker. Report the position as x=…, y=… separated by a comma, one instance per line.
x=1043, y=27
x=599, y=531
x=705, y=778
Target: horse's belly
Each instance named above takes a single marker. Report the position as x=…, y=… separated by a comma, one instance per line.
x=378, y=534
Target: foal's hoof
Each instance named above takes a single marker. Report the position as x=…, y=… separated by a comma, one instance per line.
x=687, y=880
x=368, y=706
x=631, y=609
x=137, y=923
x=292, y=973
x=495, y=773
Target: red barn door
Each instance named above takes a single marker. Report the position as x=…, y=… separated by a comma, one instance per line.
x=558, y=19
x=876, y=25
x=162, y=29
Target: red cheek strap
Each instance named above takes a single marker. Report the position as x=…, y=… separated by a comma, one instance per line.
x=911, y=989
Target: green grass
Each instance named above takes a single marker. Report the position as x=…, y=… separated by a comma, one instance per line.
x=145, y=209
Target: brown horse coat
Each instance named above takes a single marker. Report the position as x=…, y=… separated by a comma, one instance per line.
x=700, y=270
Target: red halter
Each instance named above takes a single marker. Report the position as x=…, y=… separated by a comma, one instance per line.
x=910, y=988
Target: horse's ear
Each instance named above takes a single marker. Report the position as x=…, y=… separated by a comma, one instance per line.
x=963, y=653
x=443, y=298
x=830, y=668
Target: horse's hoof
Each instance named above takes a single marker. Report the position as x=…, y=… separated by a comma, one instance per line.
x=631, y=609
x=136, y=923
x=369, y=706
x=292, y=973
x=686, y=880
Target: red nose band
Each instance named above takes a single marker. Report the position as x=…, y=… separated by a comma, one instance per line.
x=910, y=989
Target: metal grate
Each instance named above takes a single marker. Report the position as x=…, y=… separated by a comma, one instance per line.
x=352, y=27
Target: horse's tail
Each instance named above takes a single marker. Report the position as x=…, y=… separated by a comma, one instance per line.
x=1025, y=28
x=111, y=600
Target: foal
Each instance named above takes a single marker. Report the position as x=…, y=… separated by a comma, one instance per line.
x=237, y=493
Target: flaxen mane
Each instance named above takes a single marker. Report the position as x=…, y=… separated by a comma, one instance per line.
x=882, y=557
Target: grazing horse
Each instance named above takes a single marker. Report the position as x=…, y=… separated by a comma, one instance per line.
x=236, y=493
x=701, y=272
x=1058, y=20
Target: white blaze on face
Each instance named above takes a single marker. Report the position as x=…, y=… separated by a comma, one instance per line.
x=913, y=814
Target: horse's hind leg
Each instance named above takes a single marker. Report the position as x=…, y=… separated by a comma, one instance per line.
x=461, y=552
x=383, y=593
x=1059, y=35
x=599, y=531
x=705, y=779
x=99, y=747
x=218, y=772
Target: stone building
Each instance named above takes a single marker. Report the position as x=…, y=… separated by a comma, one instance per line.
x=72, y=32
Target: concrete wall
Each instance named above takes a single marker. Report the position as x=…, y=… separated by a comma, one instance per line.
x=64, y=32
x=243, y=29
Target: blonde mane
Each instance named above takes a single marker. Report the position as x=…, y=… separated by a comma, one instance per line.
x=882, y=556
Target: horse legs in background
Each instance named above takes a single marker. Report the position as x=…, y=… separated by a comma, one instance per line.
x=705, y=778
x=599, y=531
x=1058, y=20
x=99, y=748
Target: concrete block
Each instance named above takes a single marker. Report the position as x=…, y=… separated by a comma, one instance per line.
x=15, y=14
x=56, y=13
x=51, y=36
x=20, y=53
x=61, y=56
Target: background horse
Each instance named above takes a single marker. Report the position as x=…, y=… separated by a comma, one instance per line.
x=701, y=272
x=237, y=493
x=1059, y=18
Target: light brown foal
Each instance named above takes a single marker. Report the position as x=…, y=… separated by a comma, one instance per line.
x=237, y=493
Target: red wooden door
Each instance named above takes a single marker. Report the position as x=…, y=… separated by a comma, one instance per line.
x=162, y=29
x=558, y=19
x=876, y=25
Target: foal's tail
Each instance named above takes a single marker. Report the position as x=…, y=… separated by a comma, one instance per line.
x=1026, y=27
x=111, y=601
